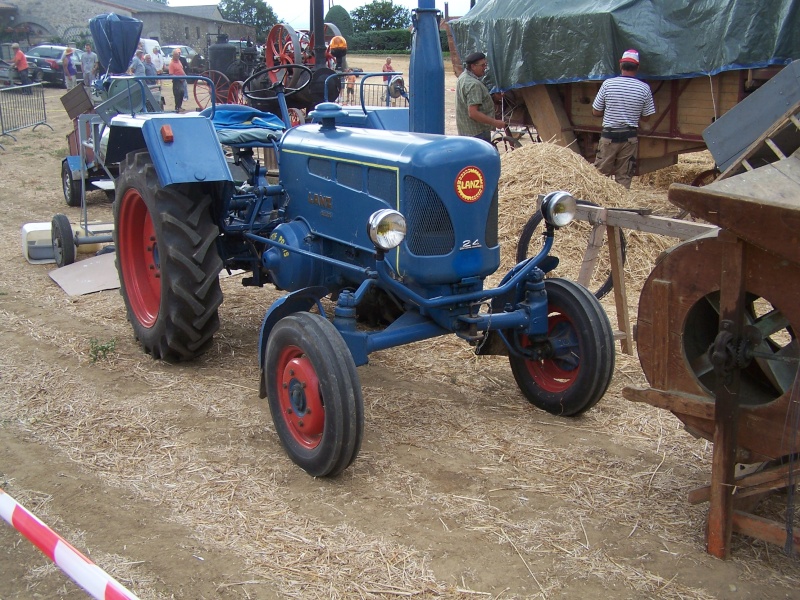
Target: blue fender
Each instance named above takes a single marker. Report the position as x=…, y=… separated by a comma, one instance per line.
x=299, y=301
x=192, y=155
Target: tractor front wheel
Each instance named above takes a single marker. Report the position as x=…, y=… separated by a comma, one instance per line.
x=578, y=362
x=314, y=394
x=167, y=261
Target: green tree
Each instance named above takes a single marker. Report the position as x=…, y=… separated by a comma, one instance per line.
x=257, y=13
x=380, y=15
x=341, y=18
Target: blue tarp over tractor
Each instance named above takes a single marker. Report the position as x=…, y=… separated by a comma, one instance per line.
x=532, y=42
x=115, y=40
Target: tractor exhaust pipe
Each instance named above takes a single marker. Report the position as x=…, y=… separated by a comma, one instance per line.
x=426, y=72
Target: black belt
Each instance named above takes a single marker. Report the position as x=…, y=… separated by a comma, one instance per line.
x=620, y=134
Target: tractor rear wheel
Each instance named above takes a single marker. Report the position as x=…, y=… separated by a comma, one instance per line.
x=72, y=188
x=579, y=363
x=167, y=261
x=314, y=394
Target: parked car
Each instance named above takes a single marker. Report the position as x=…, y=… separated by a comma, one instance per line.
x=49, y=59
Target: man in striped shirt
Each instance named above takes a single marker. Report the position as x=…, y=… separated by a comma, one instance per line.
x=622, y=102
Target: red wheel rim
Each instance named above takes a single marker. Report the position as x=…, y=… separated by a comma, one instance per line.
x=283, y=48
x=300, y=399
x=235, y=95
x=202, y=91
x=557, y=374
x=139, y=260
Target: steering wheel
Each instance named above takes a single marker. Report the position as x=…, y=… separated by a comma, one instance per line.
x=282, y=73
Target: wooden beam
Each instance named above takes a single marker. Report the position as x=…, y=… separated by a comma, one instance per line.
x=548, y=115
x=768, y=480
x=620, y=295
x=764, y=529
x=726, y=405
x=677, y=402
x=628, y=219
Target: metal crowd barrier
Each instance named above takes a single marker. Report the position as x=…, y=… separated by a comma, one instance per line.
x=374, y=94
x=22, y=106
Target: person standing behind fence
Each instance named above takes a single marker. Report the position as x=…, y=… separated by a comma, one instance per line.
x=387, y=68
x=70, y=72
x=622, y=101
x=178, y=85
x=351, y=86
x=21, y=64
x=89, y=67
x=137, y=64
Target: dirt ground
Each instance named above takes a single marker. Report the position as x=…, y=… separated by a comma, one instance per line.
x=172, y=479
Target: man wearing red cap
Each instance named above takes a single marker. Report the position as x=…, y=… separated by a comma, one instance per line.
x=622, y=102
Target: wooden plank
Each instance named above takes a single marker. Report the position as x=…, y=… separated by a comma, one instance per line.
x=620, y=294
x=647, y=223
x=726, y=405
x=589, y=261
x=661, y=333
x=677, y=402
x=764, y=529
x=549, y=117
x=768, y=480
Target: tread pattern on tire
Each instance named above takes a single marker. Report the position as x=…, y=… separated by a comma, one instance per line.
x=190, y=265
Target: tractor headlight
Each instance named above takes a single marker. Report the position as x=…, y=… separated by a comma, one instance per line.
x=558, y=208
x=387, y=228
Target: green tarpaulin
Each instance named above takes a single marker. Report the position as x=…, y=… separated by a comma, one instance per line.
x=531, y=42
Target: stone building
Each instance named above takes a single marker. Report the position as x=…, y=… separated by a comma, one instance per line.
x=32, y=22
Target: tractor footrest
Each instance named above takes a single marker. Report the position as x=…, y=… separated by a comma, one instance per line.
x=104, y=184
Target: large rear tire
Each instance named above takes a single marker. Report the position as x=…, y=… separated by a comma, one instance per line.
x=314, y=394
x=167, y=261
x=579, y=363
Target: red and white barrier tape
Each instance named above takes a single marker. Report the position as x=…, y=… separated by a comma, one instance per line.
x=80, y=569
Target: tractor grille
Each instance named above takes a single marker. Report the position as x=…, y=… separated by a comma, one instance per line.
x=430, y=231
x=382, y=183
x=491, y=223
x=320, y=167
x=350, y=175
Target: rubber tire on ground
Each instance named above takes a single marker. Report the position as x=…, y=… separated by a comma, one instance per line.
x=72, y=188
x=63, y=240
x=575, y=380
x=533, y=224
x=168, y=263
x=308, y=365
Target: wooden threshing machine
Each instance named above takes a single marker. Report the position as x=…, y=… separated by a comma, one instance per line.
x=548, y=59
x=719, y=316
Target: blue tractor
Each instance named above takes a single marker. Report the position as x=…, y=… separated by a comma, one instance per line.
x=378, y=237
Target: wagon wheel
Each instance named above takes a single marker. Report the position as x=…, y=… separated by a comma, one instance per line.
x=235, y=95
x=283, y=47
x=678, y=323
x=328, y=33
x=202, y=91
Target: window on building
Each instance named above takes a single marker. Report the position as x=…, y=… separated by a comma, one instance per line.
x=186, y=32
x=198, y=33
